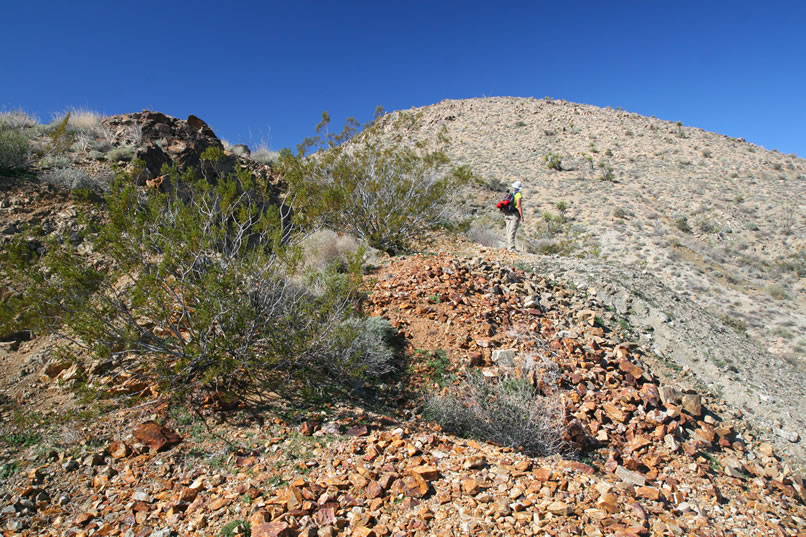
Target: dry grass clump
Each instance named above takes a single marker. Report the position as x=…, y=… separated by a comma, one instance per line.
x=18, y=119
x=485, y=236
x=82, y=119
x=264, y=155
x=324, y=247
x=507, y=411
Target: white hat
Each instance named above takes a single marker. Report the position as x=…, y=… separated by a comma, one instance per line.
x=516, y=185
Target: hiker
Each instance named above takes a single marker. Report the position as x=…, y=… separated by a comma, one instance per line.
x=514, y=216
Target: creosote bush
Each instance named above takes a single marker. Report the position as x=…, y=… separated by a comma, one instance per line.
x=206, y=286
x=507, y=411
x=14, y=149
x=386, y=195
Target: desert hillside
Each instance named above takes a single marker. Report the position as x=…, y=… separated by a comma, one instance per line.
x=718, y=220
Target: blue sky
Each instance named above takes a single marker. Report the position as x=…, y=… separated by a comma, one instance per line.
x=264, y=71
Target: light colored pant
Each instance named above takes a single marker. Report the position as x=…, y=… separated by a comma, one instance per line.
x=513, y=222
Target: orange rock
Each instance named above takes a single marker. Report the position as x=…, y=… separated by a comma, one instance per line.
x=614, y=413
x=650, y=493
x=374, y=490
x=272, y=529
x=119, y=450
x=218, y=503
x=156, y=436
x=414, y=486
x=608, y=503
x=560, y=508
x=629, y=367
x=471, y=486
x=429, y=473
x=542, y=474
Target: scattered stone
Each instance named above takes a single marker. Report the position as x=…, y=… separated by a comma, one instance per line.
x=157, y=437
x=628, y=476
x=692, y=404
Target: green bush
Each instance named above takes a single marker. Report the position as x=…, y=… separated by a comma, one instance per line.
x=553, y=161
x=507, y=411
x=125, y=152
x=607, y=172
x=13, y=150
x=385, y=195
x=205, y=286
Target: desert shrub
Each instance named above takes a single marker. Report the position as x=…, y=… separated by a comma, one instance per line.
x=507, y=411
x=621, y=212
x=54, y=161
x=125, y=153
x=707, y=226
x=553, y=161
x=14, y=149
x=386, y=195
x=681, y=223
x=80, y=120
x=206, y=286
x=606, y=172
x=496, y=184
x=776, y=291
x=70, y=179
x=484, y=236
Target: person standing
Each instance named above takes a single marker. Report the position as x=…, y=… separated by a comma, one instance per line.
x=514, y=216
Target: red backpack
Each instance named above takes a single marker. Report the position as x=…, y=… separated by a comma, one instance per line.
x=507, y=205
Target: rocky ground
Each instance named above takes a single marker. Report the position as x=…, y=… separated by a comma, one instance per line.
x=652, y=456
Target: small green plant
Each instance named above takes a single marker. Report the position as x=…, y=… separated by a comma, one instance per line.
x=21, y=439
x=439, y=364
x=436, y=298
x=60, y=137
x=561, y=206
x=589, y=159
x=234, y=528
x=553, y=161
x=681, y=223
x=606, y=172
x=8, y=469
x=442, y=135
x=125, y=153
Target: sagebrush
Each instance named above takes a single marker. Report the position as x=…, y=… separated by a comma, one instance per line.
x=507, y=410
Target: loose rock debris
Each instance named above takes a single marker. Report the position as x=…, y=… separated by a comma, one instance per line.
x=653, y=459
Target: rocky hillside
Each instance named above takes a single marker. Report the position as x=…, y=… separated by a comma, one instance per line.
x=719, y=221
x=663, y=414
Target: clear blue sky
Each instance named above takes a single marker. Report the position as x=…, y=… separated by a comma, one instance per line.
x=263, y=70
